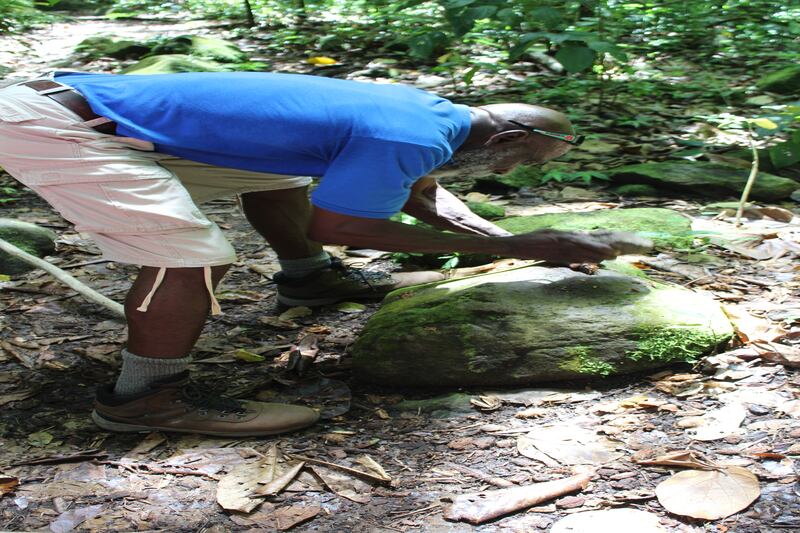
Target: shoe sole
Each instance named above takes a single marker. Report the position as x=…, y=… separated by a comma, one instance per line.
x=121, y=427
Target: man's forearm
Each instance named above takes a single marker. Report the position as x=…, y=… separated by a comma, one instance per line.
x=396, y=237
x=441, y=209
x=548, y=245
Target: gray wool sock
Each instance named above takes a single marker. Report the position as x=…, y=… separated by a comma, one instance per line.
x=139, y=372
x=297, y=268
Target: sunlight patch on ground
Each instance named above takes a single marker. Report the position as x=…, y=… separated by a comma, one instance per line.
x=52, y=44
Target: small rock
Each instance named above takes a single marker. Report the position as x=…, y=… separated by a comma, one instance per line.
x=483, y=442
x=461, y=444
x=570, y=502
x=626, y=484
x=758, y=410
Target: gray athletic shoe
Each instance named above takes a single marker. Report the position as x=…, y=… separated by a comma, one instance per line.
x=176, y=404
x=338, y=283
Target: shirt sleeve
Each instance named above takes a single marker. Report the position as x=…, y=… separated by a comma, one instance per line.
x=372, y=178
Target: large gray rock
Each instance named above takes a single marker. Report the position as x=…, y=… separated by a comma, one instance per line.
x=30, y=238
x=201, y=46
x=706, y=179
x=534, y=325
x=99, y=46
x=173, y=64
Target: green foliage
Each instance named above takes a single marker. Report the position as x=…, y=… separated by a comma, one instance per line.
x=673, y=344
x=564, y=176
x=17, y=14
x=582, y=362
x=8, y=194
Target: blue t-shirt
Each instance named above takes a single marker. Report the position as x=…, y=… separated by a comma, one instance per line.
x=369, y=143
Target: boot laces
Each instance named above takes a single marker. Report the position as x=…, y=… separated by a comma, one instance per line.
x=359, y=274
x=211, y=399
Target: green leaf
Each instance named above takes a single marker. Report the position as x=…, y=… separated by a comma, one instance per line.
x=351, y=307
x=422, y=46
x=248, y=357
x=455, y=4
x=548, y=17
x=467, y=76
x=605, y=47
x=575, y=57
x=508, y=15
x=785, y=154
x=765, y=123
x=450, y=263
x=760, y=100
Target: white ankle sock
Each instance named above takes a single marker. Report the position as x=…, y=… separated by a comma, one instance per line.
x=297, y=268
x=139, y=372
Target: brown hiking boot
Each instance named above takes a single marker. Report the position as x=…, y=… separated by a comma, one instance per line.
x=338, y=283
x=175, y=404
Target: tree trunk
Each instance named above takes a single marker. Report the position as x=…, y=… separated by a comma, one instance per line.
x=248, y=11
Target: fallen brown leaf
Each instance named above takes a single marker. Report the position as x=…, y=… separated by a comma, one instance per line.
x=775, y=352
x=288, y=517
x=709, y=495
x=681, y=458
x=8, y=484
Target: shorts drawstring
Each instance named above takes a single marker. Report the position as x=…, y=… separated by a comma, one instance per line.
x=215, y=308
x=156, y=284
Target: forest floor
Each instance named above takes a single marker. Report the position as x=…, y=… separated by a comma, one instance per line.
x=61, y=473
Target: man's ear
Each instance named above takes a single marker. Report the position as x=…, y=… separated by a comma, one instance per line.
x=506, y=137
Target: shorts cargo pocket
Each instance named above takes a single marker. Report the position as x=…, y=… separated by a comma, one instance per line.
x=16, y=112
x=132, y=206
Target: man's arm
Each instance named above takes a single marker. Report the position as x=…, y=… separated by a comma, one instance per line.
x=553, y=246
x=436, y=206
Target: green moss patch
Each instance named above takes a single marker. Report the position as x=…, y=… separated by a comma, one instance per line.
x=30, y=238
x=667, y=228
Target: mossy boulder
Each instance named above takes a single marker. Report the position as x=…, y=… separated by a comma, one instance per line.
x=636, y=189
x=31, y=238
x=487, y=210
x=106, y=46
x=666, y=228
x=705, y=179
x=784, y=81
x=533, y=325
x=172, y=64
x=522, y=176
x=201, y=46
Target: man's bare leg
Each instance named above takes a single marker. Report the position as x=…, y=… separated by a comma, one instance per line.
x=151, y=393
x=160, y=338
x=282, y=217
x=176, y=315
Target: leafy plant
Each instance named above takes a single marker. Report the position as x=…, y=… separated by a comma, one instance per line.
x=563, y=176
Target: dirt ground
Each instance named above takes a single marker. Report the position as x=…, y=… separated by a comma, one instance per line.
x=58, y=472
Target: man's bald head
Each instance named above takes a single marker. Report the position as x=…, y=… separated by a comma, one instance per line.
x=496, y=145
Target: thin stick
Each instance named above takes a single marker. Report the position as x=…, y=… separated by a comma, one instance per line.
x=750, y=179
x=87, y=292
x=480, y=507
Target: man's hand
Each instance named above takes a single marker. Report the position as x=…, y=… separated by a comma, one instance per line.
x=432, y=203
x=548, y=245
x=562, y=247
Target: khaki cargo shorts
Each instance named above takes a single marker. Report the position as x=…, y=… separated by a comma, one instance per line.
x=138, y=205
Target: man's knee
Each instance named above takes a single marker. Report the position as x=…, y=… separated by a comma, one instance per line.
x=169, y=283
